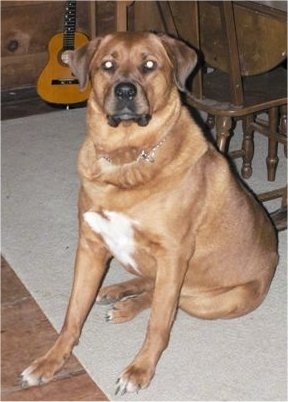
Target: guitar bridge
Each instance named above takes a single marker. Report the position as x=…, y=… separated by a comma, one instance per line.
x=65, y=81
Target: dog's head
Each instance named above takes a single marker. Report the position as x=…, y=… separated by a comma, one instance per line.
x=132, y=73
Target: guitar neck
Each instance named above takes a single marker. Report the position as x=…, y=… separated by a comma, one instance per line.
x=69, y=25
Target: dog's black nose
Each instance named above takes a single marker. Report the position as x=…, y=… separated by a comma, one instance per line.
x=125, y=91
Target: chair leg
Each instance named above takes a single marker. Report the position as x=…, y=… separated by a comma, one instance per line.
x=283, y=125
x=279, y=216
x=272, y=158
x=247, y=146
x=284, y=200
x=223, y=132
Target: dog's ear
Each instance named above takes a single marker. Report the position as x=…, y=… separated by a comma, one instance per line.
x=183, y=58
x=79, y=60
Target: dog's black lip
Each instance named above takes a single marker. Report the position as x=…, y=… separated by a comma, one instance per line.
x=126, y=116
x=141, y=119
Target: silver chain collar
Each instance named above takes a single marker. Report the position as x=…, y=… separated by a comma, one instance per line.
x=147, y=156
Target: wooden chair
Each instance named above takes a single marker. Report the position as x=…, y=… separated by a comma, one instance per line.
x=244, y=48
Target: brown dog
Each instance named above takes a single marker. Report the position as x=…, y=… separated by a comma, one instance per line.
x=160, y=199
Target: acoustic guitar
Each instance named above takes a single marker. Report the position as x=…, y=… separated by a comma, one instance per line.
x=56, y=83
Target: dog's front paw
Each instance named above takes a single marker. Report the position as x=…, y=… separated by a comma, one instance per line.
x=36, y=374
x=133, y=379
x=40, y=372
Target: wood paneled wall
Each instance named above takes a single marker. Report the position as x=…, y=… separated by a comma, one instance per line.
x=27, y=27
x=146, y=15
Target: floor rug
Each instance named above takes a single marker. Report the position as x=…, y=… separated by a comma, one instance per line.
x=240, y=359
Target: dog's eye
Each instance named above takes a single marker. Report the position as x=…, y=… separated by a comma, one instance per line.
x=108, y=65
x=148, y=66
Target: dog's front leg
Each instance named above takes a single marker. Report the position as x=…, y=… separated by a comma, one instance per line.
x=167, y=289
x=89, y=269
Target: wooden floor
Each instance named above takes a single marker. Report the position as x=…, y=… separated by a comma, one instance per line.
x=25, y=331
x=24, y=102
x=27, y=334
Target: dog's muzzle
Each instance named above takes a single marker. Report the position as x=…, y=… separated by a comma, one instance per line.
x=125, y=94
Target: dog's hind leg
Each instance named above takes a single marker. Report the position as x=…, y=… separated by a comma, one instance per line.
x=128, y=299
x=224, y=303
x=113, y=293
x=128, y=307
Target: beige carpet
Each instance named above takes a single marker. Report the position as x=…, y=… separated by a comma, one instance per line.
x=242, y=359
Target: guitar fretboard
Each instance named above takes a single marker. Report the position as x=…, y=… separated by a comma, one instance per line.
x=69, y=25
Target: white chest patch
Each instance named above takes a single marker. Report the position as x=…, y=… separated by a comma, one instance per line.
x=117, y=232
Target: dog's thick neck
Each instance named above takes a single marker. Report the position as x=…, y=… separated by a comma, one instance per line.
x=146, y=155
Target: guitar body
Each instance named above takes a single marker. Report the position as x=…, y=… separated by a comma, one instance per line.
x=56, y=83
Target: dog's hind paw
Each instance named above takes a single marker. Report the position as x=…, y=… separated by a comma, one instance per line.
x=113, y=293
x=125, y=309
